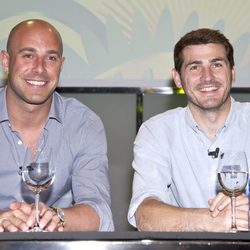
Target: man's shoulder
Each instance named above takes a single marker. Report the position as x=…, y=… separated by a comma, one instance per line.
x=164, y=127
x=166, y=122
x=243, y=104
x=168, y=116
x=243, y=108
x=71, y=107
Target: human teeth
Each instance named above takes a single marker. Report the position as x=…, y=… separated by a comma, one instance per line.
x=209, y=89
x=37, y=83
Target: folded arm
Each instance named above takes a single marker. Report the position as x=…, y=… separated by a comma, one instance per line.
x=77, y=218
x=154, y=215
x=21, y=217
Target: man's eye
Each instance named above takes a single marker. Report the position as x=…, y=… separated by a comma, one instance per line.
x=53, y=58
x=217, y=65
x=27, y=55
x=194, y=67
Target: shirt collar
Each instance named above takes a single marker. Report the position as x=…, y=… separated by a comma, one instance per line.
x=231, y=113
x=54, y=112
x=3, y=110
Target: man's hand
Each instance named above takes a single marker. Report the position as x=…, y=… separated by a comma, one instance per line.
x=15, y=219
x=48, y=221
x=221, y=206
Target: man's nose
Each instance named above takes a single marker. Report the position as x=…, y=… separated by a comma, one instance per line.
x=207, y=74
x=39, y=65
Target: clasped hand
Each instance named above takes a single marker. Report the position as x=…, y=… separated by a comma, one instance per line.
x=21, y=217
x=220, y=209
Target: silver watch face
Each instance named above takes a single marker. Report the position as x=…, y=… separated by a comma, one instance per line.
x=60, y=214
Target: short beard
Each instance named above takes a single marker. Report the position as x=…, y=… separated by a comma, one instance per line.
x=212, y=108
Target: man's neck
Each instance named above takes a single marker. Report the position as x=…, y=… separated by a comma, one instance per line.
x=210, y=121
x=27, y=116
x=28, y=120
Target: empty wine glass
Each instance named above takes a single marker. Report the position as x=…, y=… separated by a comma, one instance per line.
x=38, y=173
x=233, y=178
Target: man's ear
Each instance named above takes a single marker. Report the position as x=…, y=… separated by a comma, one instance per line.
x=177, y=78
x=62, y=62
x=5, y=61
x=233, y=74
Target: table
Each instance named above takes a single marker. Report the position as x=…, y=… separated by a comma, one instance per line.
x=124, y=241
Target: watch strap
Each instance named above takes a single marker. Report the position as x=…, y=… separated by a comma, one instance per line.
x=59, y=212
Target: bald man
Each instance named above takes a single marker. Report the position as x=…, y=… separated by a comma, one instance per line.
x=34, y=116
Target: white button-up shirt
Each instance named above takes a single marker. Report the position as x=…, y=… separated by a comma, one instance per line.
x=171, y=160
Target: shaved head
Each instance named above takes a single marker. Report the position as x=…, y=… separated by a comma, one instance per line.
x=32, y=24
x=33, y=62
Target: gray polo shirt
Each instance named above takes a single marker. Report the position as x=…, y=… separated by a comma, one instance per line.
x=78, y=140
x=171, y=160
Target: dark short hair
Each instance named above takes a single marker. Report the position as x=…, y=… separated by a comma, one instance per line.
x=202, y=36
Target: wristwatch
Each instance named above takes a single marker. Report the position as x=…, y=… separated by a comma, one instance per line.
x=60, y=214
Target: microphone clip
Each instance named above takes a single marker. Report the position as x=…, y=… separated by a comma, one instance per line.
x=214, y=154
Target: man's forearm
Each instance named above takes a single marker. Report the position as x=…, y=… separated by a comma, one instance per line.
x=81, y=218
x=153, y=215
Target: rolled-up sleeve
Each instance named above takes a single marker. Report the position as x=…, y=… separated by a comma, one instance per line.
x=151, y=171
x=90, y=177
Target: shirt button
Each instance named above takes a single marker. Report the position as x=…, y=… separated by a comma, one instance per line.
x=19, y=142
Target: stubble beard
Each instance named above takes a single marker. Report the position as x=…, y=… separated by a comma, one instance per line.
x=213, y=107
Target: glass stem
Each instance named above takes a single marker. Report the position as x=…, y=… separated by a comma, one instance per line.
x=37, y=209
x=233, y=225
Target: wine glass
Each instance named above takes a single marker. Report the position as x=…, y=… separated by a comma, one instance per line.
x=233, y=178
x=38, y=173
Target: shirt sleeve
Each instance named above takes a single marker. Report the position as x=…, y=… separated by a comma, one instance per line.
x=152, y=171
x=90, y=178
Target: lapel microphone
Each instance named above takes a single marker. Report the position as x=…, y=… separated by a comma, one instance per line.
x=214, y=154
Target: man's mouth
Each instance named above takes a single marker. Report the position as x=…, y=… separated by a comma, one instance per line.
x=36, y=83
x=208, y=88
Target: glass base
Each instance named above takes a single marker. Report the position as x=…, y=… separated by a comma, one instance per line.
x=233, y=230
x=36, y=229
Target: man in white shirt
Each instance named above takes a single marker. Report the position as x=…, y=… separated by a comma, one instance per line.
x=175, y=185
